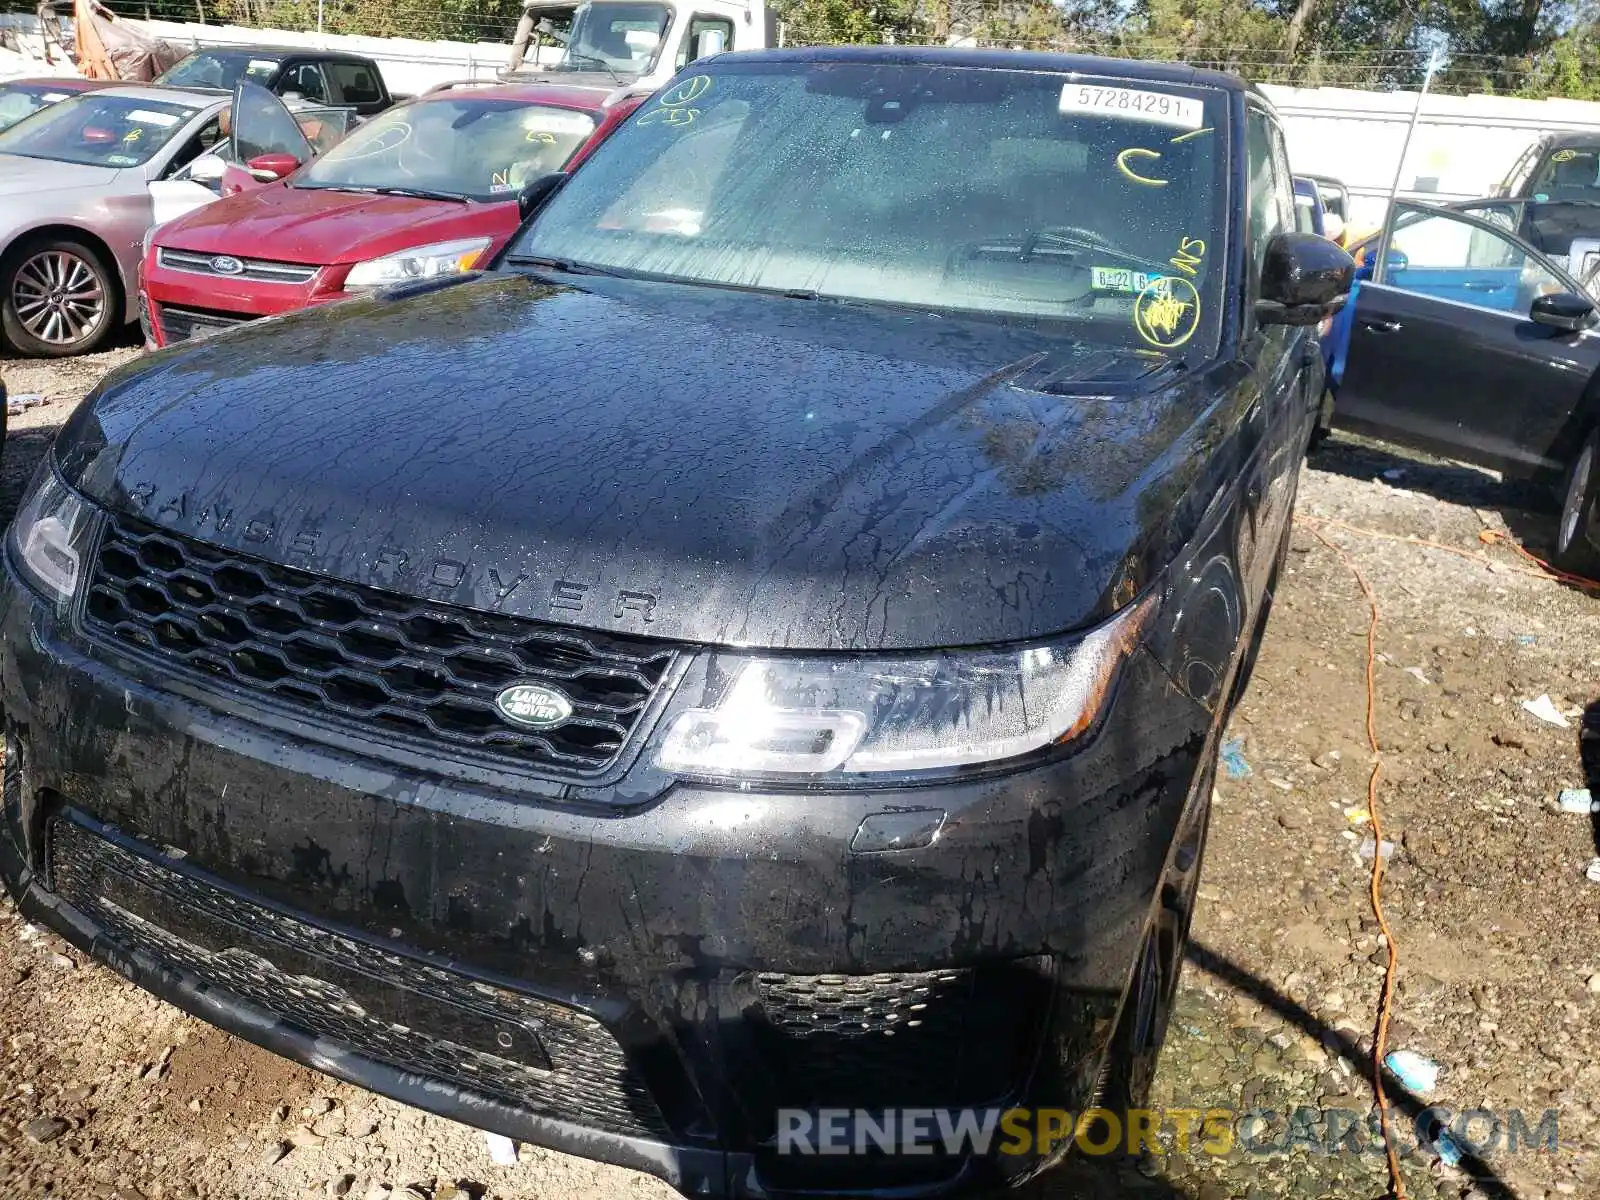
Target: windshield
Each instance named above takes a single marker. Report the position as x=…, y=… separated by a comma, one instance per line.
x=98, y=129
x=464, y=146
x=219, y=69
x=1572, y=173
x=979, y=190
x=624, y=38
x=19, y=100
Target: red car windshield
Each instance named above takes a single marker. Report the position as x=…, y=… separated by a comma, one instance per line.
x=98, y=129
x=463, y=147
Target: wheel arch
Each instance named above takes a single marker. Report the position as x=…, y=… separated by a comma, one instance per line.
x=66, y=231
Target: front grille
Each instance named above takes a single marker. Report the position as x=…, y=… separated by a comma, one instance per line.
x=550, y=1060
x=372, y=658
x=186, y=324
x=948, y=1038
x=261, y=270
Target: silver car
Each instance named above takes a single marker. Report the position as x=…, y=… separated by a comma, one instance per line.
x=75, y=205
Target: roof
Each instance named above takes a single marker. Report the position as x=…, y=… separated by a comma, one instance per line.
x=1015, y=60
x=1564, y=141
x=158, y=93
x=282, y=52
x=65, y=83
x=560, y=95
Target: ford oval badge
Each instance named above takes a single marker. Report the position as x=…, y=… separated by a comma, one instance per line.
x=226, y=264
x=533, y=705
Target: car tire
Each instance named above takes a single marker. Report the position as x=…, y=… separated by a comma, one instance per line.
x=1147, y=1008
x=1574, y=551
x=58, y=297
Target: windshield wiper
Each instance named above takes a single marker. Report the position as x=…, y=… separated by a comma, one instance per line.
x=575, y=56
x=414, y=193
x=566, y=266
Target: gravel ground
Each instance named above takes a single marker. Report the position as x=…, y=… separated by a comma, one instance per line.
x=106, y=1092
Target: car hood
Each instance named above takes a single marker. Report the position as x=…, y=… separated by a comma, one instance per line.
x=23, y=176
x=692, y=463
x=322, y=228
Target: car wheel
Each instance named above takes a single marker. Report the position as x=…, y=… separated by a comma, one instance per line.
x=1575, y=551
x=57, y=298
x=1147, y=1009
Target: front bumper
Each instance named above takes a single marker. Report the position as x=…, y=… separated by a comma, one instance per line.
x=648, y=985
x=179, y=305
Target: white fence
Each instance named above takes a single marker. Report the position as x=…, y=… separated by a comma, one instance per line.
x=1463, y=147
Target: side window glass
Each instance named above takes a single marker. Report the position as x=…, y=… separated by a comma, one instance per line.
x=305, y=79
x=1280, y=167
x=1450, y=259
x=699, y=25
x=1266, y=209
x=207, y=137
x=356, y=83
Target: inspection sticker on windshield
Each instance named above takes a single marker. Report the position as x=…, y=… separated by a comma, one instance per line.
x=1133, y=104
x=1120, y=279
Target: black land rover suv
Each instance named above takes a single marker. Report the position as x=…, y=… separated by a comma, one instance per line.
x=759, y=650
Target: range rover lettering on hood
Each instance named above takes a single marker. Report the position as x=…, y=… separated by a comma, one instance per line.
x=301, y=543
x=840, y=479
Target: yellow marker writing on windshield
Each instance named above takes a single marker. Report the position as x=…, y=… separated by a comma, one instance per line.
x=133, y=135
x=1193, y=133
x=1138, y=152
x=1190, y=252
x=672, y=106
x=1167, y=313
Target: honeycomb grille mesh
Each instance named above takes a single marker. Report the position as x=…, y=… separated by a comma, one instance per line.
x=229, y=942
x=946, y=1037
x=370, y=657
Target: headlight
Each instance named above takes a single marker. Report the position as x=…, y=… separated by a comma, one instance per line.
x=441, y=258
x=837, y=715
x=48, y=536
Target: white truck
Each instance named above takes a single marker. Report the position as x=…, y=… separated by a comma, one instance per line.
x=633, y=43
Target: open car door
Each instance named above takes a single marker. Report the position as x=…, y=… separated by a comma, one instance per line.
x=1438, y=351
x=294, y=131
x=269, y=140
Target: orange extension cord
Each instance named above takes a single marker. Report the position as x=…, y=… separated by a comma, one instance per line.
x=1380, y=1042
x=1540, y=569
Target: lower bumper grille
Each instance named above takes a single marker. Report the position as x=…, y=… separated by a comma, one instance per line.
x=949, y=1038
x=531, y=1054
x=185, y=324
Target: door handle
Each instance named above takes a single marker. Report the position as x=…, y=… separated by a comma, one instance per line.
x=1381, y=326
x=1482, y=285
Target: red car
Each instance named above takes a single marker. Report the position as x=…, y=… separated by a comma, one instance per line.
x=427, y=188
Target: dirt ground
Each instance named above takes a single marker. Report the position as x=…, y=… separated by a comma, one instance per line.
x=106, y=1092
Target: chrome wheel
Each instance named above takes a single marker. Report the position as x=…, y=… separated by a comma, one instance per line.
x=58, y=298
x=1577, y=492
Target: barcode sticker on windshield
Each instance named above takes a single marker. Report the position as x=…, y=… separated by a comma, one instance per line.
x=1132, y=104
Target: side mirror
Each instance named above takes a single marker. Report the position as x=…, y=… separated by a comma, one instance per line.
x=1564, y=311
x=269, y=168
x=536, y=192
x=709, y=42
x=1304, y=278
x=208, y=168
